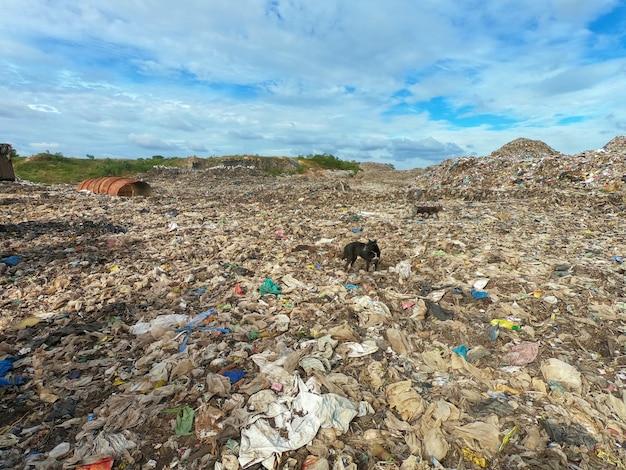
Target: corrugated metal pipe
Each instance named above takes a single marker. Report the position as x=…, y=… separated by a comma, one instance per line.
x=116, y=186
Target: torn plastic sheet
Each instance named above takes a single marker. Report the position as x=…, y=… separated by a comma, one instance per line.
x=362, y=349
x=296, y=426
x=162, y=322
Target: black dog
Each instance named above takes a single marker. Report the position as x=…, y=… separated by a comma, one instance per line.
x=368, y=251
x=428, y=210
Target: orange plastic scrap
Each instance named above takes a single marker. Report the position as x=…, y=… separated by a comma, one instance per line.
x=104, y=464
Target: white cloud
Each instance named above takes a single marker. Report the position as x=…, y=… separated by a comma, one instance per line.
x=196, y=147
x=300, y=77
x=151, y=142
x=44, y=108
x=43, y=146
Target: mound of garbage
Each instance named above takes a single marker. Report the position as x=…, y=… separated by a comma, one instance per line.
x=523, y=147
x=215, y=325
x=523, y=166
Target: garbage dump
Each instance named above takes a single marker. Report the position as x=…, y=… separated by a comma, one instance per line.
x=215, y=325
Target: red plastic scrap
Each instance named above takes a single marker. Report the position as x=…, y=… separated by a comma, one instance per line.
x=104, y=464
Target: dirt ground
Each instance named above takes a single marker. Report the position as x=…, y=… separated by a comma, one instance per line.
x=546, y=257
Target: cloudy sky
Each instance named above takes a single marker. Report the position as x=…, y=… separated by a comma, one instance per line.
x=405, y=82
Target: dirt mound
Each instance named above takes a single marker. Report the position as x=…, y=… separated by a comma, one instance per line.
x=43, y=157
x=373, y=166
x=275, y=165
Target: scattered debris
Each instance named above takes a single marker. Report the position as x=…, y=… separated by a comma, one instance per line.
x=215, y=325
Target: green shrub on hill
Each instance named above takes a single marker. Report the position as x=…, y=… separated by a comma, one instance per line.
x=330, y=162
x=53, y=168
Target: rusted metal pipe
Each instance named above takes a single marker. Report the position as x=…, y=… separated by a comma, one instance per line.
x=116, y=186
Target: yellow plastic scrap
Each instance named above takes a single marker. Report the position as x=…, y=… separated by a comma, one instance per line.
x=507, y=437
x=30, y=321
x=474, y=457
x=381, y=453
x=503, y=323
x=159, y=384
x=506, y=389
x=603, y=455
x=117, y=382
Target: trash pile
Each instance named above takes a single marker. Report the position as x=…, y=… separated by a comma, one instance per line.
x=524, y=165
x=525, y=148
x=215, y=325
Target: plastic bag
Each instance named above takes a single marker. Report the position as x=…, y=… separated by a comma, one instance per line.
x=555, y=370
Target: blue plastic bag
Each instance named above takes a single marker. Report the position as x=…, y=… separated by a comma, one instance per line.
x=11, y=260
x=479, y=294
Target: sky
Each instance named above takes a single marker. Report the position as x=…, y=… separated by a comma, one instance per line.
x=402, y=82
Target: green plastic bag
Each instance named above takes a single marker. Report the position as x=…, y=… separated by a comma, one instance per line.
x=269, y=287
x=184, y=420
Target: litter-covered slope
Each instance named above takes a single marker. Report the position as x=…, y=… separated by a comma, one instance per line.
x=214, y=325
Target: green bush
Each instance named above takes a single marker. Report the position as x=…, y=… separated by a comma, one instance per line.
x=56, y=168
x=330, y=162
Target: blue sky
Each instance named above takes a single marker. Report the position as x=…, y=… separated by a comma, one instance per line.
x=405, y=82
